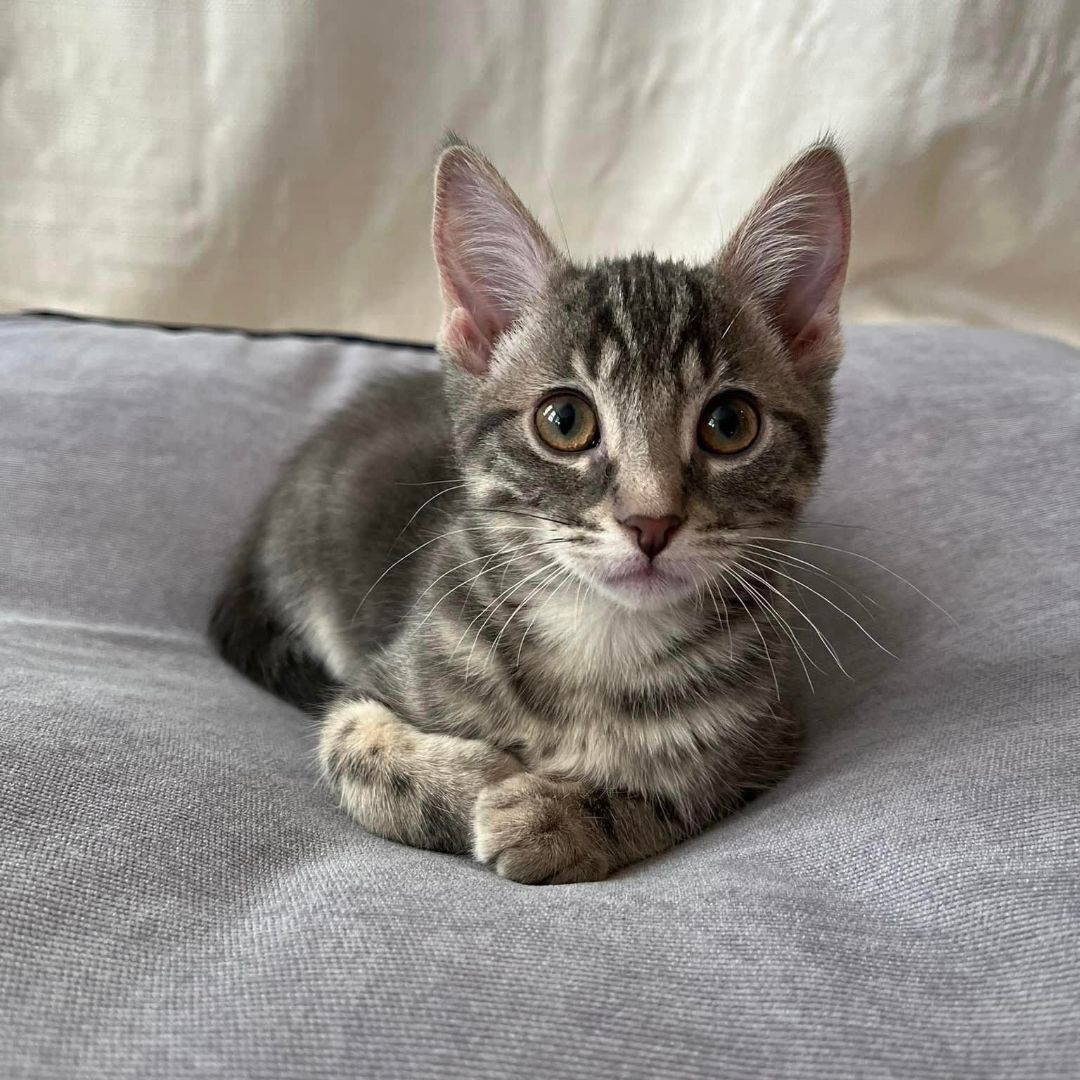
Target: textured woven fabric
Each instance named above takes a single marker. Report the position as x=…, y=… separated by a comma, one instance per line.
x=180, y=897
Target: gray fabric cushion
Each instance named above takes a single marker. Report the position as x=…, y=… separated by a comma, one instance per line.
x=180, y=897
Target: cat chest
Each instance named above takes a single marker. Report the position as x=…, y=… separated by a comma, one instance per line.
x=654, y=742
x=613, y=701
x=624, y=706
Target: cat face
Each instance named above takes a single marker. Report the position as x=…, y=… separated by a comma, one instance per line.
x=649, y=417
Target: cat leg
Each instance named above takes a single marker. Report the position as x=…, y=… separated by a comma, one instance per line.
x=405, y=784
x=542, y=831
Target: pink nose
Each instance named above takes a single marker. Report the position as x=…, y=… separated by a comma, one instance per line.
x=653, y=534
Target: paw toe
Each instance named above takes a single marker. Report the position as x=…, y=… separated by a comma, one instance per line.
x=535, y=832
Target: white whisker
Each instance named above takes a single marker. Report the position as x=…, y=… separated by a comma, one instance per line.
x=484, y=570
x=791, y=563
x=768, y=655
x=726, y=619
x=430, y=483
x=417, y=511
x=566, y=577
x=846, y=614
x=865, y=558
x=520, y=607
x=420, y=547
x=787, y=600
x=491, y=608
x=800, y=651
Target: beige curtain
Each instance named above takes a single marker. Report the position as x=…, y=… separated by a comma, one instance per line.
x=266, y=163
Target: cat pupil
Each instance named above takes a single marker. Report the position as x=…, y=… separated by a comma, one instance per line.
x=565, y=418
x=727, y=421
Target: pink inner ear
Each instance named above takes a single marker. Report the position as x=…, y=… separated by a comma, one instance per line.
x=806, y=306
x=462, y=339
x=792, y=249
x=463, y=235
x=492, y=256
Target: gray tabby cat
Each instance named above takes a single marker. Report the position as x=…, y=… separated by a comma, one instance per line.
x=530, y=597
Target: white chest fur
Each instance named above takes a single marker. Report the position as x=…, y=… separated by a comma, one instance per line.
x=601, y=641
x=597, y=648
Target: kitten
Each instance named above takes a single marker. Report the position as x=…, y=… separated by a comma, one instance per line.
x=529, y=597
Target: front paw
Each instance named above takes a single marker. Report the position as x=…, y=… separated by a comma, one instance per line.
x=538, y=832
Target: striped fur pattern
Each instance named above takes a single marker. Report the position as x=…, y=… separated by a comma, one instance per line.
x=442, y=588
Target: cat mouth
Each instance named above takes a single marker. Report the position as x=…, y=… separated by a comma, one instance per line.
x=648, y=574
x=643, y=580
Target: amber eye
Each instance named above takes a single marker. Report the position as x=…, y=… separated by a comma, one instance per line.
x=728, y=424
x=567, y=422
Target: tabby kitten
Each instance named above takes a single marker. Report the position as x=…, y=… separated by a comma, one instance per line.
x=528, y=597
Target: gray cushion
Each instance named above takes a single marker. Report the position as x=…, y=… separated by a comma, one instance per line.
x=180, y=897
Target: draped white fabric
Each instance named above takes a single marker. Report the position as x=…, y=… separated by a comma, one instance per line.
x=267, y=164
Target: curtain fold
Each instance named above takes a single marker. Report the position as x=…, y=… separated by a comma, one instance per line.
x=268, y=164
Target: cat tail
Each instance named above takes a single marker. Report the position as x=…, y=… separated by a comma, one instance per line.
x=250, y=635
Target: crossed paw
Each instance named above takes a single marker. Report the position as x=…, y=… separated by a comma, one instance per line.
x=538, y=832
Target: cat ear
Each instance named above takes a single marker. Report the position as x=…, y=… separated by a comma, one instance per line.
x=492, y=255
x=791, y=253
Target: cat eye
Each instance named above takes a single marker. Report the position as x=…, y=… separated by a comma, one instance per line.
x=729, y=424
x=567, y=422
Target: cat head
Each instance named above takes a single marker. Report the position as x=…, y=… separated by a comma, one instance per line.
x=652, y=416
